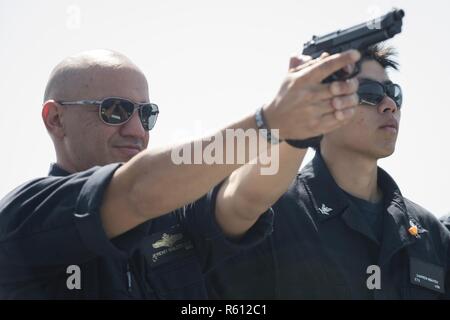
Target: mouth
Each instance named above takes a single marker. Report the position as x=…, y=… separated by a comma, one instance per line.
x=390, y=126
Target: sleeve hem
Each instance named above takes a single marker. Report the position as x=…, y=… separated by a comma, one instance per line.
x=257, y=233
x=87, y=215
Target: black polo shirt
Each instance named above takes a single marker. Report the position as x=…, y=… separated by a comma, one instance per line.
x=322, y=247
x=51, y=232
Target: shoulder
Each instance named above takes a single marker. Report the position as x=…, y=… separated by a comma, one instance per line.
x=419, y=212
x=52, y=193
x=47, y=185
x=29, y=190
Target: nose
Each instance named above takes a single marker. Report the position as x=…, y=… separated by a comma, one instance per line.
x=387, y=105
x=133, y=128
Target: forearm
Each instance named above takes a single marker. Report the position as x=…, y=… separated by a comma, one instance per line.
x=152, y=184
x=155, y=183
x=248, y=193
x=262, y=190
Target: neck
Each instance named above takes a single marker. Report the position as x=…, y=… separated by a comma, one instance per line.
x=353, y=172
x=64, y=163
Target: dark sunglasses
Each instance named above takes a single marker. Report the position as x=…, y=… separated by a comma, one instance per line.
x=116, y=111
x=372, y=92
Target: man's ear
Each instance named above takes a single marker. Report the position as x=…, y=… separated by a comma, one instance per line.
x=52, y=117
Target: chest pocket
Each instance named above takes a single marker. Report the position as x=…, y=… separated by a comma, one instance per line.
x=173, y=268
x=414, y=292
x=426, y=279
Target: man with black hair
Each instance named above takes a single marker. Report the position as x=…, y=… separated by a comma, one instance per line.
x=343, y=230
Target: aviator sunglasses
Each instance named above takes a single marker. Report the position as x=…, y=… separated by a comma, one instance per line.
x=117, y=111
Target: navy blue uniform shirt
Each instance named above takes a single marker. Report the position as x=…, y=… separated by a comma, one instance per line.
x=51, y=231
x=322, y=247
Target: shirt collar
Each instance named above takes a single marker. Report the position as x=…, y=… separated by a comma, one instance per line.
x=327, y=194
x=328, y=199
x=330, y=202
x=57, y=171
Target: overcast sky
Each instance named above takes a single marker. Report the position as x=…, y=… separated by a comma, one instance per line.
x=211, y=62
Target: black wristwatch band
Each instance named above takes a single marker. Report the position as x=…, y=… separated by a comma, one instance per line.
x=272, y=139
x=264, y=129
x=306, y=143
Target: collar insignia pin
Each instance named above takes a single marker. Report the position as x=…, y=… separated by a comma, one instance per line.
x=415, y=229
x=325, y=210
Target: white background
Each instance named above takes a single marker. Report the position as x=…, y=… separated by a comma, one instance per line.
x=211, y=62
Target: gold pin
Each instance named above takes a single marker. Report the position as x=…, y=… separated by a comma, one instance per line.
x=413, y=231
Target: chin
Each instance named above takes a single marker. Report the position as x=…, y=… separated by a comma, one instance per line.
x=385, y=153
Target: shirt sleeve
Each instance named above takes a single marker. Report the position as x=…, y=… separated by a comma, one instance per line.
x=55, y=221
x=213, y=246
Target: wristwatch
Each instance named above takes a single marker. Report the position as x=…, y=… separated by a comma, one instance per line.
x=305, y=143
x=263, y=128
x=273, y=139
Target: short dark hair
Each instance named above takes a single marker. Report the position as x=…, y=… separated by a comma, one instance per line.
x=384, y=55
x=381, y=53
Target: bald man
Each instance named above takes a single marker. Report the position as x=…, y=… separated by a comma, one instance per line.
x=113, y=220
